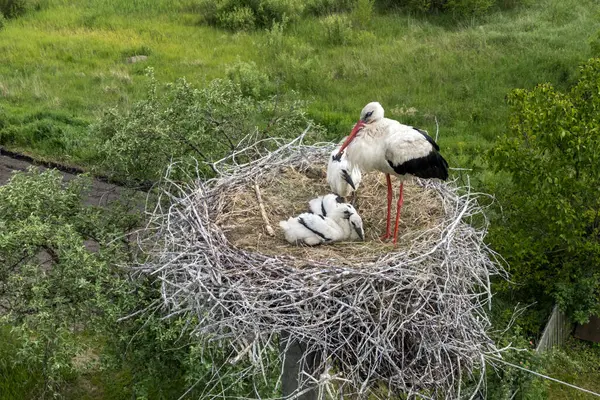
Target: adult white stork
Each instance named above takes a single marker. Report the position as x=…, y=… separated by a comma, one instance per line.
x=382, y=144
x=343, y=176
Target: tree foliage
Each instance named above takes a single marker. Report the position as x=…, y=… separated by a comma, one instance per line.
x=550, y=230
x=51, y=286
x=64, y=304
x=192, y=124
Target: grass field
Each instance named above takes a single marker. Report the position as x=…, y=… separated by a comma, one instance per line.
x=59, y=67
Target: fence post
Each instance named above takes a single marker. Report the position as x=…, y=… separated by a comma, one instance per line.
x=296, y=364
x=557, y=329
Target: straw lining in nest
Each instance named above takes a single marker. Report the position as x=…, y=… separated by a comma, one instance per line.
x=286, y=193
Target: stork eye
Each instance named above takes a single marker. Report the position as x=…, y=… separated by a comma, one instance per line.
x=367, y=115
x=347, y=214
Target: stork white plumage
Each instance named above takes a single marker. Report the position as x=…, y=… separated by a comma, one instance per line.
x=343, y=176
x=381, y=144
x=323, y=205
x=311, y=229
x=341, y=223
x=344, y=214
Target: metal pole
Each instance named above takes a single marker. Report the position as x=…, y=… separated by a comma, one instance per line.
x=293, y=367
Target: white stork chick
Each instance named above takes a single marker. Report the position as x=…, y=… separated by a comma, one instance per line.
x=313, y=229
x=344, y=214
x=382, y=144
x=343, y=176
x=323, y=205
x=348, y=219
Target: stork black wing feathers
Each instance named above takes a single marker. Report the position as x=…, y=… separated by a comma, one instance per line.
x=316, y=232
x=432, y=165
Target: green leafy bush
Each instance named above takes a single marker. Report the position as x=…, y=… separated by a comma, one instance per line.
x=338, y=29
x=13, y=8
x=550, y=229
x=594, y=42
x=249, y=14
x=458, y=8
x=238, y=19
x=69, y=312
x=251, y=81
x=324, y=7
x=193, y=124
x=362, y=12
x=50, y=284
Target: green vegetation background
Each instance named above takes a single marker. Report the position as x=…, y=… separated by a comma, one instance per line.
x=67, y=93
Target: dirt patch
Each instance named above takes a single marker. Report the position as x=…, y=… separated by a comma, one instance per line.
x=101, y=193
x=288, y=193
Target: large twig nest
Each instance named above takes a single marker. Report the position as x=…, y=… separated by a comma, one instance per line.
x=411, y=317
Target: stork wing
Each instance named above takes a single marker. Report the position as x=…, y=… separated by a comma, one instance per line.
x=321, y=226
x=411, y=152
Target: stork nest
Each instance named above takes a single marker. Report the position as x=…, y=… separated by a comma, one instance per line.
x=410, y=319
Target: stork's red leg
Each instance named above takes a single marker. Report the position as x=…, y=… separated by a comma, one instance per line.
x=398, y=207
x=389, y=208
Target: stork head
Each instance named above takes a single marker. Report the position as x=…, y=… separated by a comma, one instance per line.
x=371, y=113
x=347, y=214
x=357, y=225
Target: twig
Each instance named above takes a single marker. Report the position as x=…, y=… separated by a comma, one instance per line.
x=263, y=213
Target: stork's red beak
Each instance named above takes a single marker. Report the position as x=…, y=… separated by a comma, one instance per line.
x=359, y=125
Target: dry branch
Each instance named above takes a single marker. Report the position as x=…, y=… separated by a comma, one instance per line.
x=263, y=213
x=412, y=318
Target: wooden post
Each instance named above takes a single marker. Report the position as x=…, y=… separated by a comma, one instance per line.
x=294, y=366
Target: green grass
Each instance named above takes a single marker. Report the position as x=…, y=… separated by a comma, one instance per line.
x=578, y=364
x=69, y=59
x=17, y=380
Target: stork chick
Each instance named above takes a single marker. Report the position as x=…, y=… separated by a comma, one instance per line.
x=342, y=223
x=323, y=205
x=343, y=176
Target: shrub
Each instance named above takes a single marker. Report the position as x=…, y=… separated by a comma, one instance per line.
x=249, y=14
x=238, y=19
x=324, y=7
x=550, y=232
x=62, y=302
x=338, y=29
x=362, y=12
x=251, y=81
x=594, y=42
x=51, y=286
x=460, y=8
x=13, y=8
x=192, y=124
